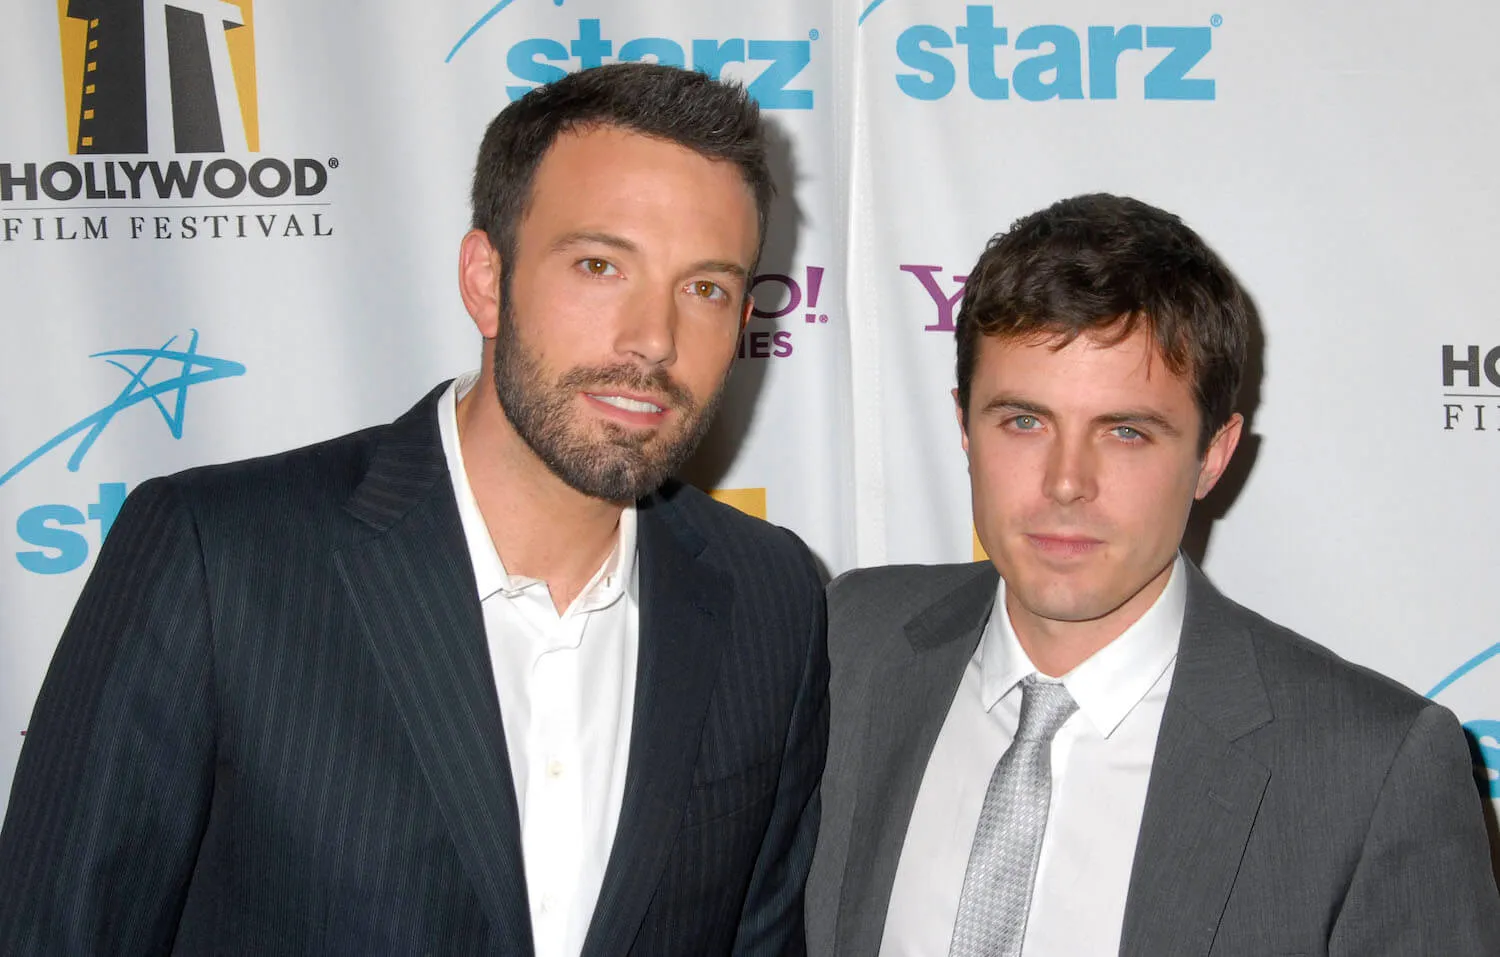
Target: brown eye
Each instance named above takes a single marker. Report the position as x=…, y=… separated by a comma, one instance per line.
x=708, y=290
x=597, y=267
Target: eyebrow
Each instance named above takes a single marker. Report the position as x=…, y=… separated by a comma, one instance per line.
x=569, y=240
x=1141, y=417
x=1011, y=403
x=722, y=266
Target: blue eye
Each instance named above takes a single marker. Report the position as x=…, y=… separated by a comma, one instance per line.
x=1026, y=422
x=1128, y=433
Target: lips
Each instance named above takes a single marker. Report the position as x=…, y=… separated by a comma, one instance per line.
x=627, y=403
x=629, y=410
x=1063, y=546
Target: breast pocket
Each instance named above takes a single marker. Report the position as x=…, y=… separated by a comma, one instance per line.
x=735, y=794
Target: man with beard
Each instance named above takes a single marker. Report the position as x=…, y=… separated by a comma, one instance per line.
x=481, y=681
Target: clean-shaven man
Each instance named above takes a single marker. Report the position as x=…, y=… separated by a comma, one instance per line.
x=1081, y=748
x=480, y=681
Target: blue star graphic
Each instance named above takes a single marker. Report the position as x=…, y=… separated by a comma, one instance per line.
x=195, y=369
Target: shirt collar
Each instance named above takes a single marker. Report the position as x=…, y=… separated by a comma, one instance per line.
x=1112, y=681
x=609, y=583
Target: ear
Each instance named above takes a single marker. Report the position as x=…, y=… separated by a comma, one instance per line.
x=1216, y=458
x=479, y=281
x=745, y=309
x=963, y=429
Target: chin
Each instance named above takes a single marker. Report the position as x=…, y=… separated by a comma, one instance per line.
x=1057, y=602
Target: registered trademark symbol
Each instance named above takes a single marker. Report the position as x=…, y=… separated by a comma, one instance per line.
x=1216, y=21
x=813, y=34
x=333, y=163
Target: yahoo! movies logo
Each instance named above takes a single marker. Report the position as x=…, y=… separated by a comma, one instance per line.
x=1051, y=61
x=778, y=296
x=772, y=68
x=945, y=290
x=50, y=527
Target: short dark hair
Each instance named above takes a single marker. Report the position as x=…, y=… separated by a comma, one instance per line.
x=1106, y=265
x=714, y=118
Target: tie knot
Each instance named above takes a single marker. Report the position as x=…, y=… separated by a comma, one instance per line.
x=1045, y=705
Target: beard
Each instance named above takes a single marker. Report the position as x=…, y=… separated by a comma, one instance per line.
x=624, y=464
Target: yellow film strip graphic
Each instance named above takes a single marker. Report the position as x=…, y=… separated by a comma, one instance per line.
x=104, y=44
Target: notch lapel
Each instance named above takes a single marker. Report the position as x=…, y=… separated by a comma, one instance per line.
x=685, y=609
x=909, y=700
x=413, y=590
x=1204, y=793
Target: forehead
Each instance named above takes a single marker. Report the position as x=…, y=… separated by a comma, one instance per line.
x=607, y=173
x=1091, y=374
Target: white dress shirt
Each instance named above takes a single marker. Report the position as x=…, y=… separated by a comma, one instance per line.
x=566, y=685
x=1101, y=763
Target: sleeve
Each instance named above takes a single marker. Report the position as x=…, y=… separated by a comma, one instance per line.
x=771, y=923
x=1423, y=883
x=113, y=784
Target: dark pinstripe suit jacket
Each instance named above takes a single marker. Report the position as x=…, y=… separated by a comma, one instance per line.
x=271, y=728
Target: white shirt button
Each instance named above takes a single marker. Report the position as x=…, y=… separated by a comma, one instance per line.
x=555, y=769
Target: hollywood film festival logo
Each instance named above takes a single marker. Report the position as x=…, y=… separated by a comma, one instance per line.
x=58, y=532
x=1471, y=403
x=1471, y=388
x=162, y=119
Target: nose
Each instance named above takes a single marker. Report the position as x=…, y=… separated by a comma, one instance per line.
x=1072, y=471
x=647, y=327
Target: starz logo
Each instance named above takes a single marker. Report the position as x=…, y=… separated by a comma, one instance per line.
x=162, y=377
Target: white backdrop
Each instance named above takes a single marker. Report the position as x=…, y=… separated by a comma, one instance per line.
x=1340, y=163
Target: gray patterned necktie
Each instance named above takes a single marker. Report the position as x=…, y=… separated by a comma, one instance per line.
x=1002, y=864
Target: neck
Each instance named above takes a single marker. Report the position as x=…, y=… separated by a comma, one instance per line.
x=1056, y=647
x=541, y=527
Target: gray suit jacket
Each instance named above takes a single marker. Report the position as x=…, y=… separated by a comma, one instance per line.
x=1298, y=804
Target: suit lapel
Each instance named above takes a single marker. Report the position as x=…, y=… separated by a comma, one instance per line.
x=412, y=587
x=685, y=608
x=908, y=702
x=1204, y=792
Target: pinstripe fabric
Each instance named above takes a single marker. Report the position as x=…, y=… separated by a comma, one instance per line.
x=270, y=728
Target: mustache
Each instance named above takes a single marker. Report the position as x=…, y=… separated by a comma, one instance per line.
x=630, y=378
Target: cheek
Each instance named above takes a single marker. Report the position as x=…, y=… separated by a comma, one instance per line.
x=1007, y=462
x=1152, y=497
x=704, y=355
x=557, y=291
x=1000, y=480
x=565, y=332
